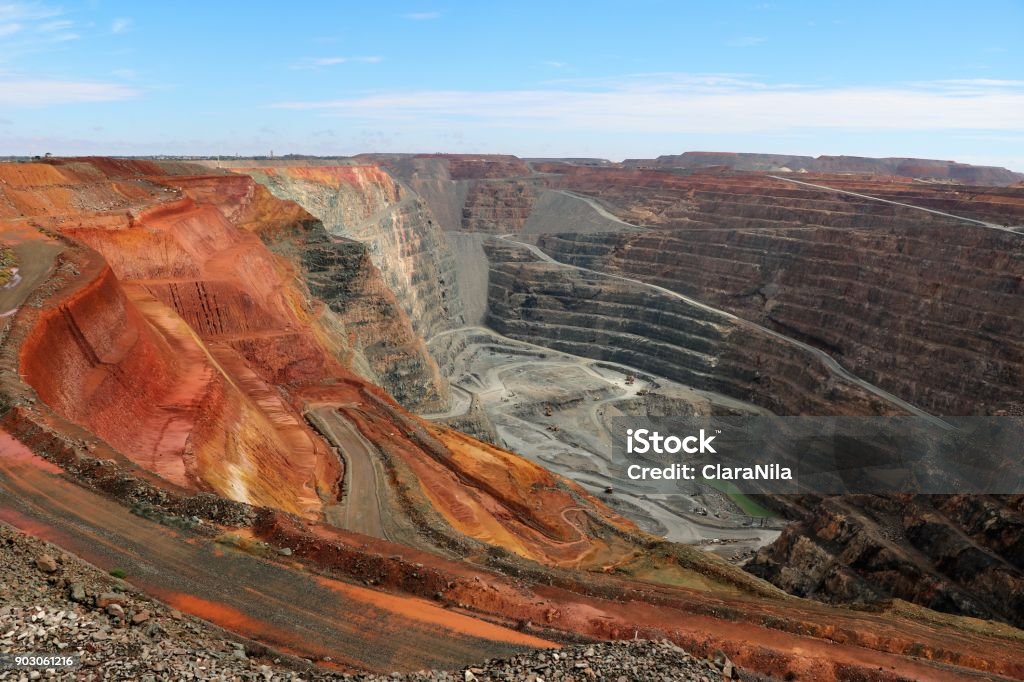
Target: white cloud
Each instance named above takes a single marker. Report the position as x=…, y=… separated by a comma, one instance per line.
x=688, y=103
x=972, y=84
x=21, y=11
x=120, y=25
x=322, y=62
x=32, y=27
x=422, y=16
x=329, y=61
x=556, y=65
x=33, y=93
x=746, y=41
x=52, y=26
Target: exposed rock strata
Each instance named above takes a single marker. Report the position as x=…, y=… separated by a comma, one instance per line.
x=594, y=316
x=364, y=204
x=340, y=273
x=954, y=554
x=880, y=287
x=498, y=206
x=924, y=305
x=109, y=347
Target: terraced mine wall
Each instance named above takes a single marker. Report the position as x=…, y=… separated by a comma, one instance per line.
x=730, y=201
x=364, y=204
x=498, y=206
x=597, y=317
x=1001, y=206
x=928, y=307
x=901, y=308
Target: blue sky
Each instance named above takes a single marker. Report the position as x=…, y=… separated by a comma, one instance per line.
x=611, y=79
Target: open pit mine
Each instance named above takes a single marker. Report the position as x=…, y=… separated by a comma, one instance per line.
x=356, y=414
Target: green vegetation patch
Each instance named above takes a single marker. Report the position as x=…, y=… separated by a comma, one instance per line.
x=745, y=502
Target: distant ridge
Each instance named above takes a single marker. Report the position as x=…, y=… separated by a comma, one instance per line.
x=905, y=167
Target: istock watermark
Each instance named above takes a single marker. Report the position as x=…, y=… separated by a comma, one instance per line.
x=823, y=455
x=644, y=441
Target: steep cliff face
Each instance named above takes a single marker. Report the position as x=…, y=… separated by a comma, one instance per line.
x=364, y=204
x=370, y=331
x=385, y=349
x=430, y=178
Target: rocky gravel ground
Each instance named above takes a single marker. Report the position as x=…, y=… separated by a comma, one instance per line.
x=640, y=661
x=54, y=604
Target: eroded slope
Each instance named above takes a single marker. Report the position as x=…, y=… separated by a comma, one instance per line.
x=185, y=342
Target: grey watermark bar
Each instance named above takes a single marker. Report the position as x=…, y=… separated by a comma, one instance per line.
x=822, y=455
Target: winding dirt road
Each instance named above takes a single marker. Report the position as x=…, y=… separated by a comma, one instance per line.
x=584, y=363
x=601, y=211
x=992, y=226
x=360, y=506
x=589, y=438
x=34, y=264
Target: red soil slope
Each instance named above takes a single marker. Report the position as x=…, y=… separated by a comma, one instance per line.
x=184, y=342
x=122, y=353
